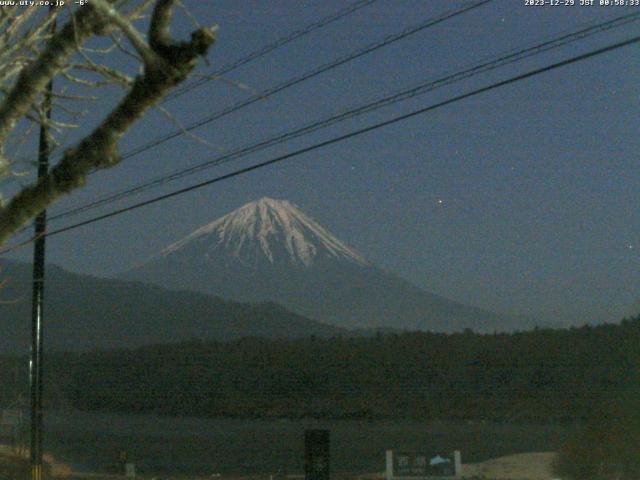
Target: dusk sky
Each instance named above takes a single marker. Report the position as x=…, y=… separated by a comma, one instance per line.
x=520, y=200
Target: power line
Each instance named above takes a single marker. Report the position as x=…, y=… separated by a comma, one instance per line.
x=508, y=58
x=306, y=76
x=271, y=47
x=352, y=134
x=296, y=80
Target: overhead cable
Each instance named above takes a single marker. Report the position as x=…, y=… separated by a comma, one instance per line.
x=420, y=89
x=308, y=75
x=352, y=134
x=280, y=42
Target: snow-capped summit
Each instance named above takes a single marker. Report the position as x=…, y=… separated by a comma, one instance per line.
x=275, y=230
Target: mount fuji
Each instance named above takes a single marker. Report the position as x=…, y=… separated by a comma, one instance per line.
x=269, y=250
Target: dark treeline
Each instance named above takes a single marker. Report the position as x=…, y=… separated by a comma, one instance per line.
x=541, y=375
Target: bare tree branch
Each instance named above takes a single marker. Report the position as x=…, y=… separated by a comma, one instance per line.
x=159, y=35
x=134, y=36
x=168, y=64
x=34, y=77
x=176, y=121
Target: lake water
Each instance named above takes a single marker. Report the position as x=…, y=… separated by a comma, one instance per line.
x=168, y=445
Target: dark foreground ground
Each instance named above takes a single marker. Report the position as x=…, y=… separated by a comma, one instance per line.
x=525, y=466
x=196, y=447
x=89, y=445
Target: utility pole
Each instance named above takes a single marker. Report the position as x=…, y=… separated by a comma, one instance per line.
x=35, y=365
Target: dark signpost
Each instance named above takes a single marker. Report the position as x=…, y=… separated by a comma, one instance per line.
x=316, y=455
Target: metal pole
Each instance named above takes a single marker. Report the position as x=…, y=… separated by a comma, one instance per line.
x=35, y=370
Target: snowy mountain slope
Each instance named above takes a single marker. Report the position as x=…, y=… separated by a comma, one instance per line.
x=269, y=250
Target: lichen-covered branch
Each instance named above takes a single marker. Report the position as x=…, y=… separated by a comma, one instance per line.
x=172, y=63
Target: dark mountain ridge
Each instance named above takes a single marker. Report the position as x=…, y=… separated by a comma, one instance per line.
x=83, y=312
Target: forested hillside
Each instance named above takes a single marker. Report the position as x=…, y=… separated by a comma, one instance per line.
x=542, y=375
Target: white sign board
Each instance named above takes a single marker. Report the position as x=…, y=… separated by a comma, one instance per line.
x=420, y=465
